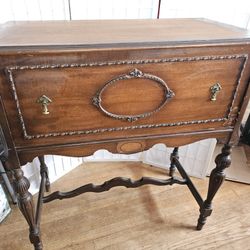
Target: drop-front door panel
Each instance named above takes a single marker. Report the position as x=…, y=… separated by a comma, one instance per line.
x=83, y=99
x=76, y=111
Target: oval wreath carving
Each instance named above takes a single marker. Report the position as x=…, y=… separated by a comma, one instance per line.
x=135, y=73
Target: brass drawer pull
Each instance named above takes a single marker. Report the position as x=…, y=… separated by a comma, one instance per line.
x=214, y=91
x=45, y=101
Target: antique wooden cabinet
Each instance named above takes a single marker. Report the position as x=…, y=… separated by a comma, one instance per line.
x=71, y=88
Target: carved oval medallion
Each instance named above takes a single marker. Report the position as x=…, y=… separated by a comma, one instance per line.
x=134, y=74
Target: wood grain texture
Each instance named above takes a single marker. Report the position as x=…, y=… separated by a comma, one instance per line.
x=75, y=111
x=158, y=218
x=118, y=32
x=192, y=89
x=88, y=148
x=70, y=67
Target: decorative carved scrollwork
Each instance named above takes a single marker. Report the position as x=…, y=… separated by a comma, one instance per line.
x=135, y=73
x=115, y=182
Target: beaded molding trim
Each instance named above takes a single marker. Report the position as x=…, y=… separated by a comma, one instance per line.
x=135, y=73
x=9, y=71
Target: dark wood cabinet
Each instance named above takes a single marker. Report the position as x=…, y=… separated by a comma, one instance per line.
x=71, y=88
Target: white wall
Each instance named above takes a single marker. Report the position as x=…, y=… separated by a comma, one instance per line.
x=234, y=12
x=76, y=9
x=231, y=12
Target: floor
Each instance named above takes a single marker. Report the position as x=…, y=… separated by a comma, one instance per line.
x=149, y=217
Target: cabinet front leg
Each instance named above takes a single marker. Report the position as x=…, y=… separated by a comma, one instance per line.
x=25, y=203
x=216, y=179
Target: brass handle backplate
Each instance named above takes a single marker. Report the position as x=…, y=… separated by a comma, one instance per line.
x=44, y=101
x=215, y=89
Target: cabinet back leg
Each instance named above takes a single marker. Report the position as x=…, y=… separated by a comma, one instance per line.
x=44, y=169
x=172, y=164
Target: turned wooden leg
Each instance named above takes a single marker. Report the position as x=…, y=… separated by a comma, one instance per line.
x=25, y=203
x=217, y=177
x=172, y=165
x=44, y=169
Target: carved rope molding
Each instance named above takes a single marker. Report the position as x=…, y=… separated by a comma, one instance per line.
x=168, y=94
x=9, y=71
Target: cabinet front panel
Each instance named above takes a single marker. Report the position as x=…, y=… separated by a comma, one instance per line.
x=80, y=99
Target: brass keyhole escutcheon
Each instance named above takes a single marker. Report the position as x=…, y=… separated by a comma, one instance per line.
x=215, y=89
x=44, y=101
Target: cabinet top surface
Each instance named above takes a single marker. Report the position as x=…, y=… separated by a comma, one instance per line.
x=127, y=33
